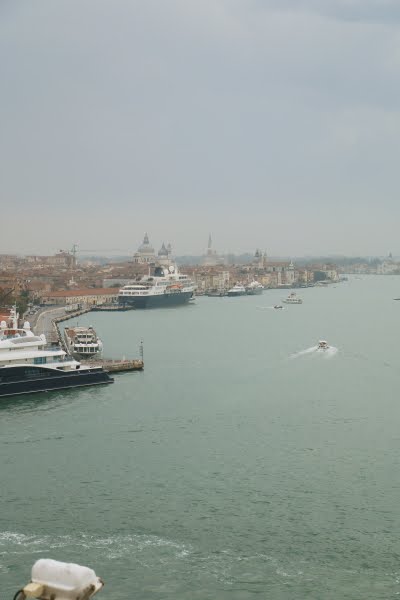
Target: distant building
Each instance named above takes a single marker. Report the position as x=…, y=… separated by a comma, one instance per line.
x=164, y=255
x=90, y=296
x=61, y=259
x=211, y=258
x=145, y=253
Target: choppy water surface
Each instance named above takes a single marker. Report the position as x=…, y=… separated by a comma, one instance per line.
x=241, y=462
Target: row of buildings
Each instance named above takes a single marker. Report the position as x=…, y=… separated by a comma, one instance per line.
x=61, y=279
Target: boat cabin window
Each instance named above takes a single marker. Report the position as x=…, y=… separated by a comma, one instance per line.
x=40, y=360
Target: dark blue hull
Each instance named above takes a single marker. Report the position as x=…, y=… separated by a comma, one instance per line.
x=157, y=301
x=27, y=380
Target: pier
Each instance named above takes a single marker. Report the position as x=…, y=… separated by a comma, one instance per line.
x=116, y=366
x=48, y=321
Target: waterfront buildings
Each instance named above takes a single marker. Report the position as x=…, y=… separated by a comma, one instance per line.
x=90, y=297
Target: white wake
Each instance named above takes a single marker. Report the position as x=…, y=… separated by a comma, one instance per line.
x=328, y=353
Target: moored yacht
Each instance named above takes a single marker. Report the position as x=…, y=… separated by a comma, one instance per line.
x=165, y=287
x=293, y=299
x=28, y=364
x=82, y=342
x=254, y=288
x=237, y=290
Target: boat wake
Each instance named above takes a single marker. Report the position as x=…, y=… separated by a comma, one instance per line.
x=328, y=353
x=106, y=547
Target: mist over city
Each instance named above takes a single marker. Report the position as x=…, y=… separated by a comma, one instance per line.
x=270, y=124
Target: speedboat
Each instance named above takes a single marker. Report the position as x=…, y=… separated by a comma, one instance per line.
x=323, y=345
x=278, y=306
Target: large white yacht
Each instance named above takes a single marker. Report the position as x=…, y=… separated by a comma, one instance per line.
x=166, y=286
x=237, y=290
x=28, y=364
x=293, y=299
x=82, y=342
x=254, y=288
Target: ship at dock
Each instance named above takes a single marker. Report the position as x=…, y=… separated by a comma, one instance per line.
x=165, y=287
x=254, y=288
x=28, y=364
x=82, y=342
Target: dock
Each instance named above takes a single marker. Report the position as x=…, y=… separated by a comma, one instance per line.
x=111, y=308
x=49, y=324
x=116, y=366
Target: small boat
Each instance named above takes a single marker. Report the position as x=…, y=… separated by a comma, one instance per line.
x=323, y=345
x=293, y=299
x=278, y=306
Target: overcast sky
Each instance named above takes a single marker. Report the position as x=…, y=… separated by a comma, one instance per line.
x=269, y=123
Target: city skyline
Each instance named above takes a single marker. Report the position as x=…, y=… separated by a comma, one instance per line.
x=271, y=124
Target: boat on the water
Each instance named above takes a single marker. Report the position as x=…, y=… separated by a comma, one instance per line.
x=278, y=306
x=216, y=293
x=293, y=299
x=28, y=364
x=82, y=342
x=237, y=290
x=165, y=287
x=254, y=288
x=323, y=345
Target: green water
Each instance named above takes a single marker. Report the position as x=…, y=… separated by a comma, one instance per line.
x=232, y=466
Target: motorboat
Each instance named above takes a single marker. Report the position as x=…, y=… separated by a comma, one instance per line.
x=293, y=299
x=28, y=364
x=323, y=345
x=277, y=306
x=237, y=290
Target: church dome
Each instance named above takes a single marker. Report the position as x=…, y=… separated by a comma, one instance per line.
x=145, y=247
x=163, y=251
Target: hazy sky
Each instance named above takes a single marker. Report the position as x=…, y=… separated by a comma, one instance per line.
x=269, y=123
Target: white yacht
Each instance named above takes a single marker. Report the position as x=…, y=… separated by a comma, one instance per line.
x=82, y=342
x=165, y=287
x=28, y=364
x=237, y=290
x=254, y=288
x=293, y=299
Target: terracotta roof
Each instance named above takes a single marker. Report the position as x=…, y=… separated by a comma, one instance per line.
x=87, y=292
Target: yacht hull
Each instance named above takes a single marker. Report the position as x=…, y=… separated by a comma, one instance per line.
x=15, y=381
x=234, y=294
x=156, y=300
